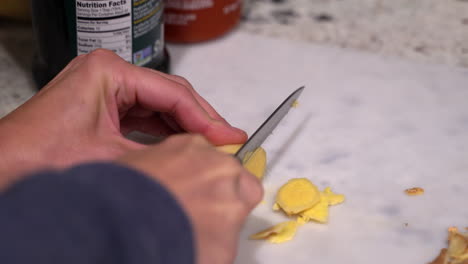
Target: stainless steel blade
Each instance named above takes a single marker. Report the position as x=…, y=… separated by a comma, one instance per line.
x=259, y=136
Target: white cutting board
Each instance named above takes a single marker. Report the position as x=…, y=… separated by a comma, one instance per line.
x=367, y=126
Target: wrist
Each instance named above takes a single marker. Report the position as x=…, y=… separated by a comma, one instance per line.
x=5, y=158
x=12, y=159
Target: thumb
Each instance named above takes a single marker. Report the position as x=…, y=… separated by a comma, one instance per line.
x=250, y=189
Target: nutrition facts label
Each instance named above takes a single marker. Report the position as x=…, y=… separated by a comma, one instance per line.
x=104, y=24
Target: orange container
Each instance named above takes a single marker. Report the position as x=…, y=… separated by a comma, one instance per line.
x=188, y=21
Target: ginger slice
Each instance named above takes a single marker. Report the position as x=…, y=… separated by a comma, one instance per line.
x=301, y=199
x=297, y=195
x=332, y=198
x=279, y=233
x=318, y=213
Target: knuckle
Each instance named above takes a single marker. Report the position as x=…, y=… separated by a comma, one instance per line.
x=182, y=81
x=178, y=139
x=187, y=141
x=197, y=140
x=101, y=56
x=102, y=53
x=80, y=57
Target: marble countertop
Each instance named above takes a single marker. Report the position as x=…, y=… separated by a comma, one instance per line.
x=366, y=125
x=428, y=31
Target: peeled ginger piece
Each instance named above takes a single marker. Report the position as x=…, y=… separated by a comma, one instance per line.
x=331, y=197
x=319, y=212
x=256, y=164
x=301, y=199
x=279, y=233
x=297, y=195
x=276, y=207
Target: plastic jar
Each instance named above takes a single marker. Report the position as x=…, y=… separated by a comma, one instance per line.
x=199, y=20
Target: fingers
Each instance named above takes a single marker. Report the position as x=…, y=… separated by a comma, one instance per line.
x=208, y=108
x=214, y=189
x=194, y=147
x=124, y=86
x=162, y=94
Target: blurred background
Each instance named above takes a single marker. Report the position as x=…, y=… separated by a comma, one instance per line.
x=422, y=30
x=425, y=31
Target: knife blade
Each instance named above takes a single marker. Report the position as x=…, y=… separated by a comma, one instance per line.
x=261, y=134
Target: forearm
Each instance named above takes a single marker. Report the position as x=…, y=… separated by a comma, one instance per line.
x=97, y=213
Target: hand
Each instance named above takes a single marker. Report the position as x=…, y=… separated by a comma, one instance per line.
x=215, y=190
x=83, y=113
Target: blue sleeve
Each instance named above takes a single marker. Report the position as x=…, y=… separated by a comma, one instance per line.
x=93, y=213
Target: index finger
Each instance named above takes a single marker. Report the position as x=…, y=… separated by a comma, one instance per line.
x=157, y=93
x=207, y=106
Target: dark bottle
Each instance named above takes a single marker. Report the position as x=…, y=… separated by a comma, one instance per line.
x=66, y=28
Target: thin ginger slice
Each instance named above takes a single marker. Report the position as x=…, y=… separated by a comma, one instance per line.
x=318, y=213
x=331, y=197
x=300, y=198
x=279, y=233
x=297, y=195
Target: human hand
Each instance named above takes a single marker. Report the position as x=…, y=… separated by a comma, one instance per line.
x=214, y=189
x=83, y=113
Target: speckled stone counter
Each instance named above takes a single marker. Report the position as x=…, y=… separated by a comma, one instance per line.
x=422, y=30
x=428, y=31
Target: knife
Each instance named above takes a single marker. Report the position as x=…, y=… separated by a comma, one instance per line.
x=259, y=136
